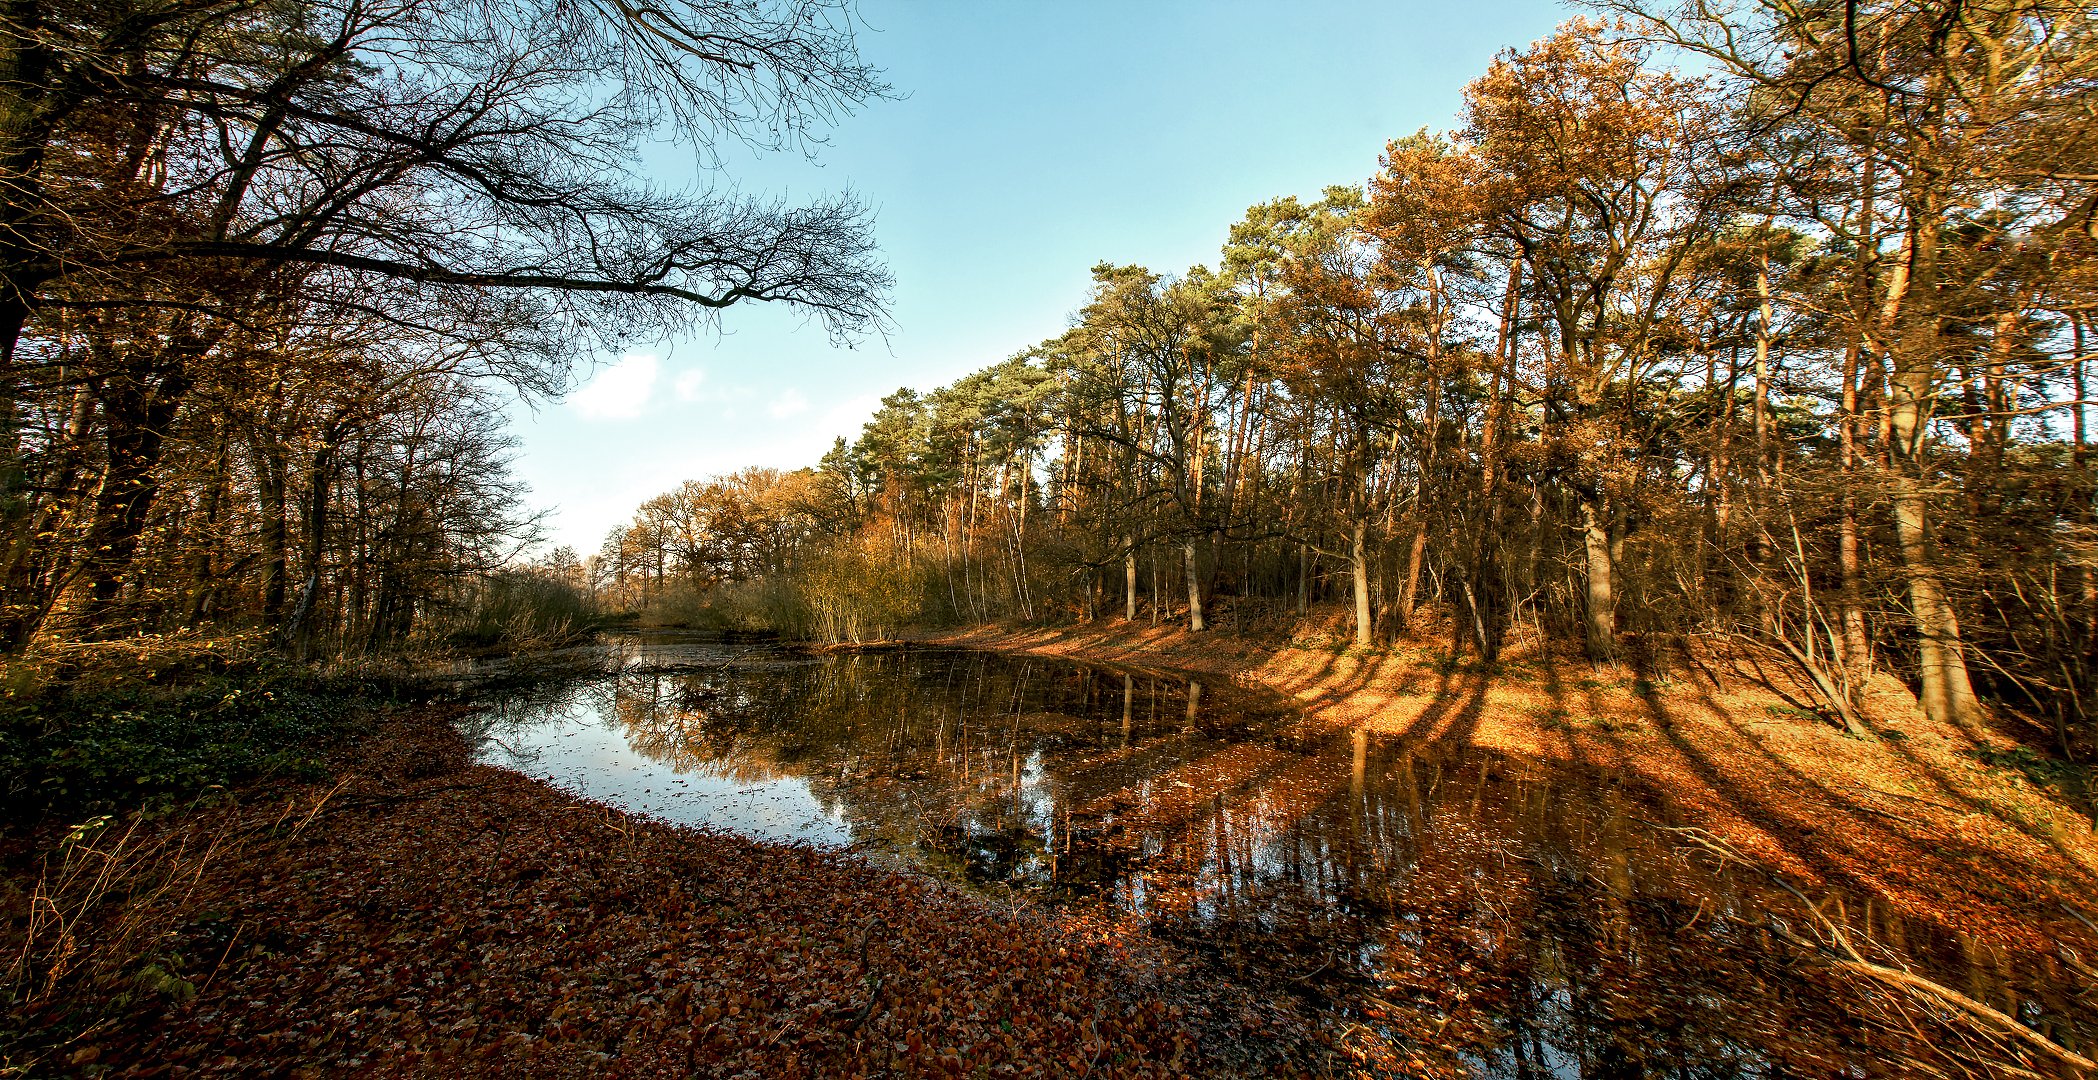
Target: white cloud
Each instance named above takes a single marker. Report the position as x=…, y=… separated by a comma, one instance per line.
x=690, y=386
x=788, y=403
x=619, y=391
x=848, y=416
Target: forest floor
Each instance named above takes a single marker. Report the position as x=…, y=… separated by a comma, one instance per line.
x=404, y=911
x=420, y=915
x=1967, y=829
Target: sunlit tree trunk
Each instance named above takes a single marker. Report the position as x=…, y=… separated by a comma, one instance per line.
x=1764, y=316
x=1359, y=571
x=1946, y=693
x=1416, y=553
x=1129, y=578
x=1601, y=581
x=1195, y=618
x=1857, y=644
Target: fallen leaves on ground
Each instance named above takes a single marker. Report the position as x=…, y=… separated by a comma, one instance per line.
x=1913, y=813
x=439, y=918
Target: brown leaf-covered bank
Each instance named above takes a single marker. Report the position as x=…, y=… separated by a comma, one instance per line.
x=1935, y=818
x=422, y=915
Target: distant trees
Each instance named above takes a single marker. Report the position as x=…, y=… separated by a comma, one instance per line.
x=741, y=526
x=1792, y=352
x=264, y=265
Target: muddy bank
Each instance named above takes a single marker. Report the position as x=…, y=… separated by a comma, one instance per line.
x=1919, y=813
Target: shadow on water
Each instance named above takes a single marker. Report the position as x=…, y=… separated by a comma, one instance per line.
x=1501, y=917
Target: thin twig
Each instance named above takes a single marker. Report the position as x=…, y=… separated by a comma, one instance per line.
x=874, y=982
x=317, y=804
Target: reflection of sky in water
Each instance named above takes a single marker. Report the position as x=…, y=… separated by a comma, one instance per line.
x=568, y=744
x=1532, y=904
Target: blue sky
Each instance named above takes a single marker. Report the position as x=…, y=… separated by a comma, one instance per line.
x=1031, y=141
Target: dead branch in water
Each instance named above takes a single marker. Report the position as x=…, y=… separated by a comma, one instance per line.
x=1832, y=945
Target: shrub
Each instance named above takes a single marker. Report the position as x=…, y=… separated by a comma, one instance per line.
x=518, y=609
x=860, y=590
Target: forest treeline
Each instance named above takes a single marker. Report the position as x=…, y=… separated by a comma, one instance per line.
x=273, y=268
x=1767, y=322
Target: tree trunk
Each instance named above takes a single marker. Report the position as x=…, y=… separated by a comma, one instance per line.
x=270, y=484
x=1760, y=544
x=1481, y=584
x=1195, y=619
x=203, y=584
x=137, y=412
x=1129, y=580
x=1409, y=589
x=1857, y=646
x=1602, y=593
x=1359, y=568
x=1764, y=317
x=1946, y=695
x=298, y=632
x=2077, y=457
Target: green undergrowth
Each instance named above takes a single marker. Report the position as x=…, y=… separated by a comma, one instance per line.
x=78, y=740
x=2071, y=781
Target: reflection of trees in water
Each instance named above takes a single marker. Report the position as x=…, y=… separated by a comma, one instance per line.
x=1533, y=914
x=500, y=716
x=964, y=749
x=1546, y=926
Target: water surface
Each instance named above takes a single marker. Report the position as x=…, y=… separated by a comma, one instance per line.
x=1502, y=918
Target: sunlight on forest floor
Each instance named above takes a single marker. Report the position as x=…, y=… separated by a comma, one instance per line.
x=1398, y=867
x=1913, y=811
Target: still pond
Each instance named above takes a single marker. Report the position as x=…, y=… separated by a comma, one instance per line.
x=1528, y=921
